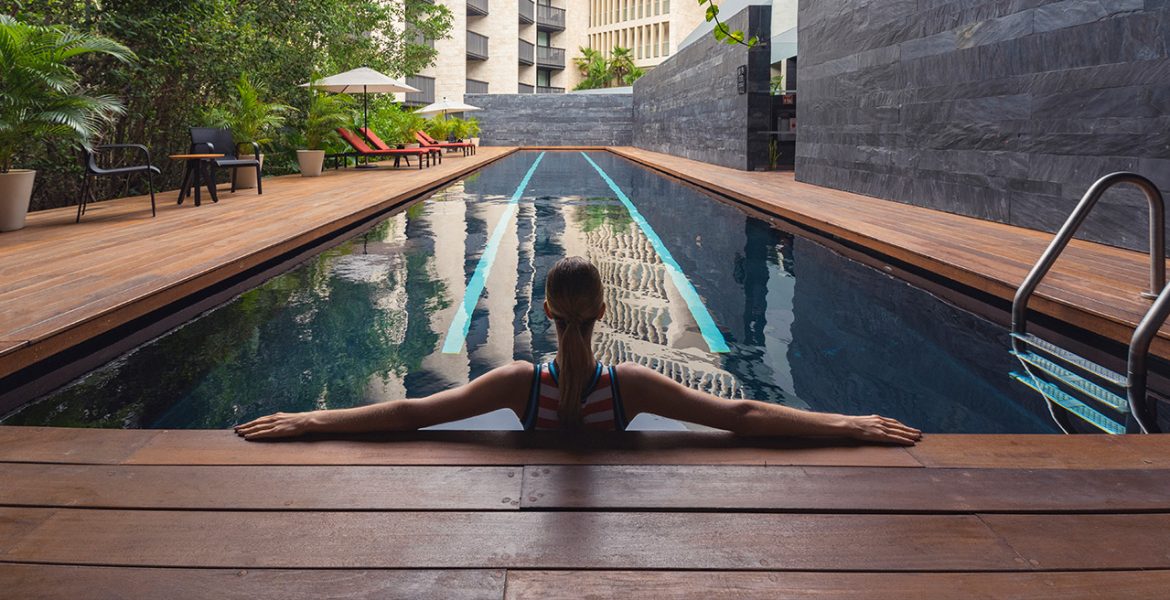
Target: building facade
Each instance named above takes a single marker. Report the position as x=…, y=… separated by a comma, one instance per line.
x=528, y=46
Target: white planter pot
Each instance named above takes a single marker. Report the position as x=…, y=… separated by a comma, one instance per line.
x=16, y=188
x=414, y=145
x=246, y=176
x=475, y=141
x=311, y=162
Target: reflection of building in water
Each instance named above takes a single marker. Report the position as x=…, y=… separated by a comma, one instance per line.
x=646, y=321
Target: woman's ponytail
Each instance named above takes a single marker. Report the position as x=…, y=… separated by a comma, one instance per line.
x=574, y=300
x=576, y=362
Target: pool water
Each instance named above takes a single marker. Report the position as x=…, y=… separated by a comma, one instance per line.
x=451, y=287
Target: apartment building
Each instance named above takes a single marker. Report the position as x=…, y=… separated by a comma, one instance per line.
x=651, y=29
x=528, y=46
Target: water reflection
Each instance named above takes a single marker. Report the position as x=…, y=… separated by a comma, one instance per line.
x=363, y=322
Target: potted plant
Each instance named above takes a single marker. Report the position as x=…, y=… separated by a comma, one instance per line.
x=41, y=98
x=251, y=119
x=410, y=123
x=456, y=129
x=326, y=113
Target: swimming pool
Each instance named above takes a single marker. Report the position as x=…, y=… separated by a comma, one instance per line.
x=443, y=291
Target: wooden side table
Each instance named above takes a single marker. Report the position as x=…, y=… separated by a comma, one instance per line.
x=197, y=174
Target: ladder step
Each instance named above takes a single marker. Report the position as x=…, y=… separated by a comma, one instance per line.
x=1070, y=404
x=1082, y=385
x=1075, y=360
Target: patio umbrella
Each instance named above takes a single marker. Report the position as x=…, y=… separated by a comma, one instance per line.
x=364, y=81
x=444, y=107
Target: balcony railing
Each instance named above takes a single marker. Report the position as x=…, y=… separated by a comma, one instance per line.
x=477, y=8
x=547, y=56
x=417, y=37
x=475, y=86
x=426, y=90
x=540, y=89
x=524, y=88
x=477, y=46
x=550, y=17
x=527, y=11
x=527, y=53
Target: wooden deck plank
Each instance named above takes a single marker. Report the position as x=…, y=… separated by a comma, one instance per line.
x=261, y=488
x=512, y=448
x=1044, y=451
x=538, y=540
x=1100, y=541
x=70, y=444
x=1093, y=286
x=62, y=283
x=66, y=581
x=843, y=489
x=705, y=585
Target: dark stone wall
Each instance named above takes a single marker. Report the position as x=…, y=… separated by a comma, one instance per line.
x=1004, y=110
x=689, y=105
x=554, y=119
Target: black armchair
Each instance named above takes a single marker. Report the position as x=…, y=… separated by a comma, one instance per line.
x=93, y=169
x=210, y=140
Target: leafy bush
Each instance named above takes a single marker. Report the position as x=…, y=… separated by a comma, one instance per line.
x=250, y=118
x=41, y=97
x=438, y=127
x=191, y=55
x=326, y=113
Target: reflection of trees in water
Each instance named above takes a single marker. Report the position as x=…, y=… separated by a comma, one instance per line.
x=313, y=337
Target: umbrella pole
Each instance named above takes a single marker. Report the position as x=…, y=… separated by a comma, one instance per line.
x=366, y=122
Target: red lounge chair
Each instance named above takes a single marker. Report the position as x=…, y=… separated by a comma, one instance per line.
x=437, y=153
x=429, y=142
x=363, y=149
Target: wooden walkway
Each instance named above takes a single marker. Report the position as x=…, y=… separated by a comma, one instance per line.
x=198, y=514
x=62, y=283
x=1093, y=286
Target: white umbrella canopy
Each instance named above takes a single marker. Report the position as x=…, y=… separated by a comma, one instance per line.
x=362, y=80
x=444, y=107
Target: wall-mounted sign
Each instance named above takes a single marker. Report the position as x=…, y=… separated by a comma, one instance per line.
x=741, y=79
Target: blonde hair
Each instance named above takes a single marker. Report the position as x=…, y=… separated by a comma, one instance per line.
x=574, y=299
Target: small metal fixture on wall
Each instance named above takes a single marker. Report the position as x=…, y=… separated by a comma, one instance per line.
x=741, y=79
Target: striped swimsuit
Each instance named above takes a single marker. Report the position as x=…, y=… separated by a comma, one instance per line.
x=601, y=406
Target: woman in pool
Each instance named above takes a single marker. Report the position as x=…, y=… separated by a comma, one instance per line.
x=605, y=398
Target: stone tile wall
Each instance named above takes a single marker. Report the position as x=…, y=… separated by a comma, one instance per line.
x=554, y=119
x=689, y=105
x=1003, y=109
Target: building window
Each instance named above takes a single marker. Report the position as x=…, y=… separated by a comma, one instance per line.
x=542, y=38
x=666, y=39
x=543, y=78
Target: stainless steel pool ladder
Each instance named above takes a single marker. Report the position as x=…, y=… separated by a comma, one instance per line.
x=1090, y=395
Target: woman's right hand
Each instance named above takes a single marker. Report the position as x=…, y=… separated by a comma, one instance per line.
x=876, y=428
x=279, y=425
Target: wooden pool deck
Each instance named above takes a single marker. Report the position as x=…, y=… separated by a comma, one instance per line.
x=203, y=514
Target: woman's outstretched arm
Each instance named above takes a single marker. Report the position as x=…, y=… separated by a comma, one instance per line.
x=645, y=390
x=503, y=387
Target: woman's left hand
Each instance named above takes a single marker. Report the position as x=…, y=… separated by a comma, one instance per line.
x=279, y=425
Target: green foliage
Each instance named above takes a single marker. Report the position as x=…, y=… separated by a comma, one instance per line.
x=394, y=124
x=41, y=96
x=722, y=32
x=326, y=113
x=598, y=72
x=777, y=85
x=472, y=127
x=250, y=118
x=191, y=55
x=438, y=127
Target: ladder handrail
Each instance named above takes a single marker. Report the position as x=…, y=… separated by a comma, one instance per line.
x=1142, y=410
x=1139, y=346
x=1074, y=222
